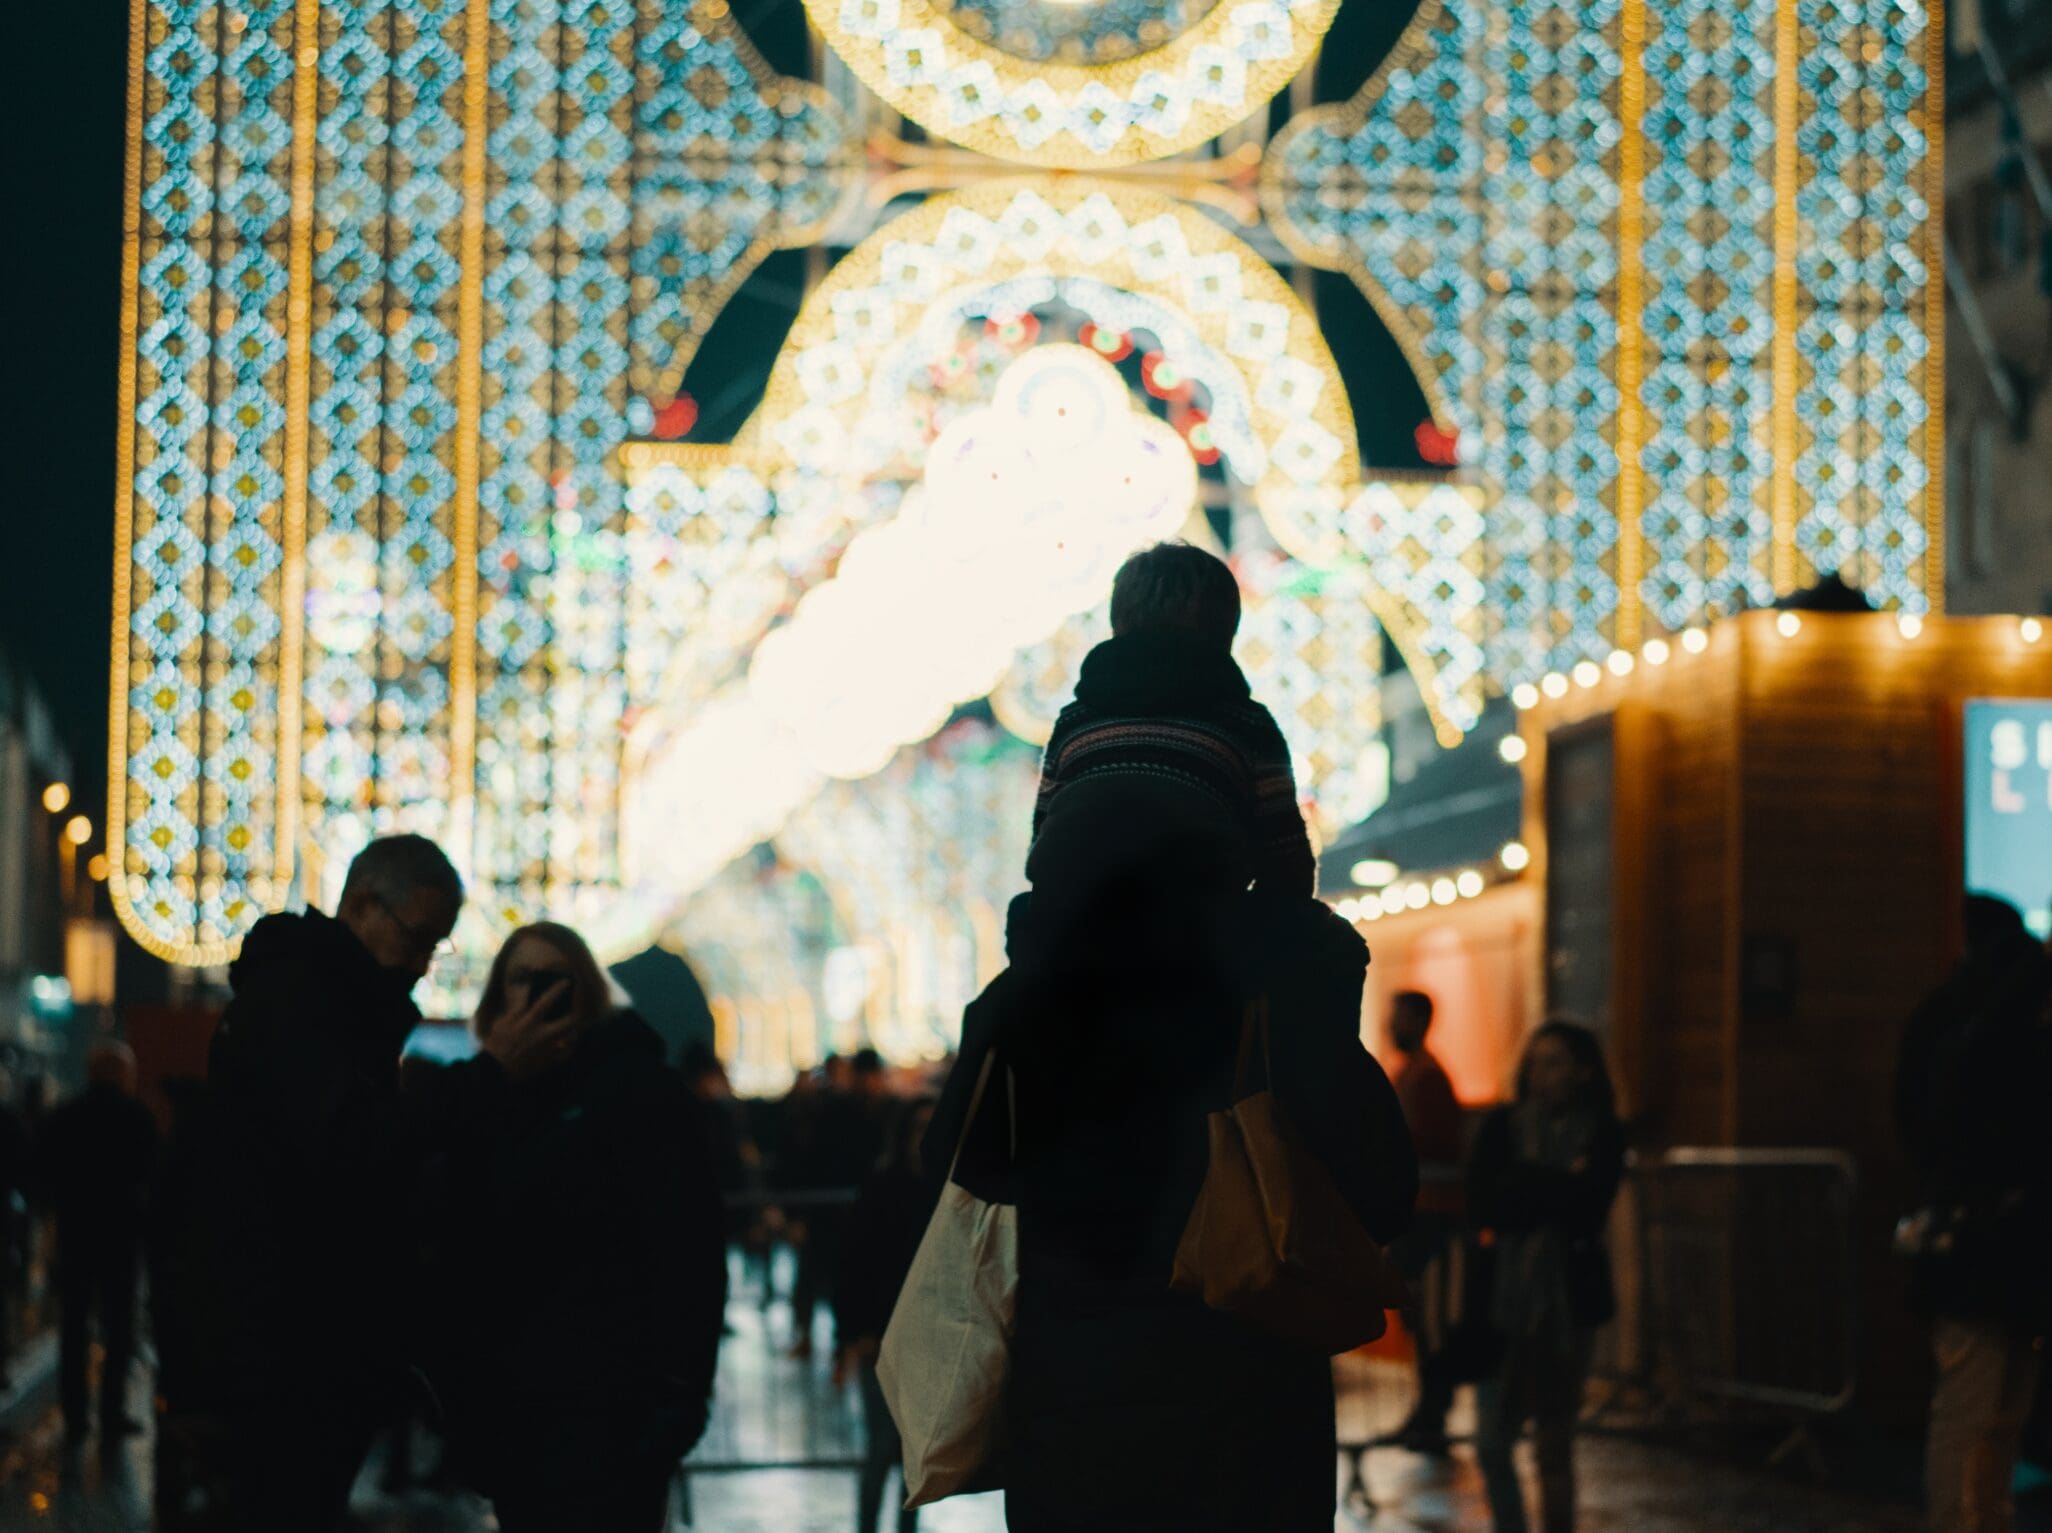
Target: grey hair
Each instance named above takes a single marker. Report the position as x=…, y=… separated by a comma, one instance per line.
x=391, y=868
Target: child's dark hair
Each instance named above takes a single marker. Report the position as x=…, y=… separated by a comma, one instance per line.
x=1176, y=588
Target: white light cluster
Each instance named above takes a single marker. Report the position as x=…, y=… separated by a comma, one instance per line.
x=1027, y=509
x=1621, y=663
x=1442, y=890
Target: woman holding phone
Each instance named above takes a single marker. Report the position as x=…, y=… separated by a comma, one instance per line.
x=582, y=1262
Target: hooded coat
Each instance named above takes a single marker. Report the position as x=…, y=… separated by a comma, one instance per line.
x=285, y=1253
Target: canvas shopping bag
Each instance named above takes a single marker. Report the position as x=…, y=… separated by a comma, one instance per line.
x=947, y=1350
x=1270, y=1238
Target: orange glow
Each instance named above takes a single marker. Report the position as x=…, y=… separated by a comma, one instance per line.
x=1476, y=960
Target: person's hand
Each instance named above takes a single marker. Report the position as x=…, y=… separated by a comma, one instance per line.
x=529, y=1042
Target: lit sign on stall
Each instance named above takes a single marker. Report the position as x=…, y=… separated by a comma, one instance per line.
x=2009, y=805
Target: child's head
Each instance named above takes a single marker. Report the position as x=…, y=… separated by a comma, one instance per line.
x=1178, y=589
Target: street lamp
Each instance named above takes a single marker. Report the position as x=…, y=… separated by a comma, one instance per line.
x=78, y=830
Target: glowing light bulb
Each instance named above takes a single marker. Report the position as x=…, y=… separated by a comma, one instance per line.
x=56, y=797
x=1524, y=695
x=1511, y=748
x=1788, y=625
x=1657, y=652
x=78, y=830
x=1588, y=673
x=2030, y=630
x=1695, y=641
x=1444, y=891
x=1555, y=684
x=1516, y=857
x=1910, y=624
x=1469, y=883
x=1620, y=663
x=1417, y=896
x=1373, y=873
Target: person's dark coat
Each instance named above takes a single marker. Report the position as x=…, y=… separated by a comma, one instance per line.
x=1129, y=1405
x=284, y=1270
x=1514, y=1195
x=581, y=1278
x=1974, y=1075
x=882, y=1236
x=93, y=1165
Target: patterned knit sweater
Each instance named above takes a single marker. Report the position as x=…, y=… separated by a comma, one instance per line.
x=1164, y=706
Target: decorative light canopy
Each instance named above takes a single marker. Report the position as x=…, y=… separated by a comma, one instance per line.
x=993, y=75
x=412, y=283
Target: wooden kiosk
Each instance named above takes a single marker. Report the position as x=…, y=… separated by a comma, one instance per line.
x=1749, y=843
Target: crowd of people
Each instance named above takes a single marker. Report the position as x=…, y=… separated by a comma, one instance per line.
x=532, y=1244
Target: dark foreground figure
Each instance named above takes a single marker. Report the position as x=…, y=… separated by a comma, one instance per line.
x=94, y=1157
x=1973, y=1076
x=284, y=1280
x=581, y=1277
x=1131, y=1406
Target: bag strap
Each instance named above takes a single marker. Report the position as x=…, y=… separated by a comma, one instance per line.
x=975, y=1103
x=983, y=1074
x=1254, y=1030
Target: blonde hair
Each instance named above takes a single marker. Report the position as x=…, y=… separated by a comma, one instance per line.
x=591, y=993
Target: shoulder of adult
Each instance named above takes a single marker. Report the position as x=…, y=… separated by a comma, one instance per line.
x=1300, y=931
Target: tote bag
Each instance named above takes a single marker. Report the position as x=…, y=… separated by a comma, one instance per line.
x=947, y=1350
x=1270, y=1238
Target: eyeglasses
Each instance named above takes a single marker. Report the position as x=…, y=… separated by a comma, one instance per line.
x=424, y=942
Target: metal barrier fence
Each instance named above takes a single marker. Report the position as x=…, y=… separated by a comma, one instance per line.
x=1749, y=1277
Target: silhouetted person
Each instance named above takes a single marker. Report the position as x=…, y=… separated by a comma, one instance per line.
x=883, y=1234
x=586, y=1274
x=846, y=1142
x=1974, y=1077
x=1133, y=965
x=1433, y=1115
x=1162, y=698
x=14, y=1221
x=734, y=1159
x=285, y=1248
x=95, y=1157
x=1542, y=1177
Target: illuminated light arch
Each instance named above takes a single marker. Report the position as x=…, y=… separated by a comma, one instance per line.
x=1301, y=431
x=678, y=309
x=1545, y=178
x=1431, y=321
x=1212, y=76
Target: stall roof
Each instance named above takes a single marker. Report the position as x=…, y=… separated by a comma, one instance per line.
x=1458, y=808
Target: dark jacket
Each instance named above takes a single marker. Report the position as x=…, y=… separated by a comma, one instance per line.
x=1162, y=709
x=93, y=1161
x=1974, y=1074
x=284, y=1270
x=883, y=1233
x=1132, y=1406
x=1564, y=1207
x=581, y=1272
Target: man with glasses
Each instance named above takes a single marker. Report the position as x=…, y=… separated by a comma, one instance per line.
x=285, y=1250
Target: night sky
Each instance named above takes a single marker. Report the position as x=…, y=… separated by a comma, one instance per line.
x=65, y=105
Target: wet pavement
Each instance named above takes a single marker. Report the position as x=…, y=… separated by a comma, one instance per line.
x=775, y=1408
